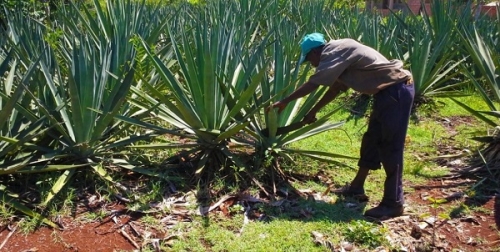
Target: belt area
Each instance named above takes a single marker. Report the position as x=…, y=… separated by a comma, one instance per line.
x=409, y=81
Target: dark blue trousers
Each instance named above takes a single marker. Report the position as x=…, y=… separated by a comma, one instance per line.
x=383, y=142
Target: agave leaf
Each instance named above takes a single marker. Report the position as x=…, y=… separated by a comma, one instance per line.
x=8, y=108
x=58, y=185
x=45, y=168
x=443, y=76
x=232, y=131
x=115, y=105
x=491, y=113
x=186, y=112
x=477, y=114
x=126, y=141
x=99, y=169
x=312, y=129
x=22, y=208
x=202, y=162
x=138, y=169
x=484, y=139
x=22, y=139
x=158, y=129
x=487, y=64
x=14, y=166
x=51, y=84
x=246, y=95
x=318, y=153
x=272, y=122
x=161, y=146
x=9, y=81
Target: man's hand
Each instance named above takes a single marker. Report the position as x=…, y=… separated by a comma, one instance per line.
x=310, y=117
x=280, y=105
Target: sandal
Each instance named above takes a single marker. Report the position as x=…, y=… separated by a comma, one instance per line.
x=348, y=191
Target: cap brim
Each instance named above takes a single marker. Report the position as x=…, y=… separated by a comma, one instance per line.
x=302, y=58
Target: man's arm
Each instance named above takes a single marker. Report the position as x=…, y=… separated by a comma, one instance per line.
x=302, y=91
x=329, y=96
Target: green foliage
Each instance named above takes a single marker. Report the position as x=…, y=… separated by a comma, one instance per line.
x=241, y=76
x=32, y=8
x=349, y=3
x=282, y=79
x=482, y=71
x=218, y=76
x=366, y=233
x=65, y=86
x=430, y=48
x=172, y=2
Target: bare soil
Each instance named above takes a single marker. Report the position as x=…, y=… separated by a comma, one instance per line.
x=445, y=218
x=75, y=237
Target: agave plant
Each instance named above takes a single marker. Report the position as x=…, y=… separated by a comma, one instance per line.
x=486, y=78
x=218, y=74
x=283, y=78
x=383, y=34
x=19, y=130
x=227, y=75
x=430, y=51
x=308, y=16
x=79, y=86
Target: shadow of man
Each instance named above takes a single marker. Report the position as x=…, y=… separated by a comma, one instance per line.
x=497, y=211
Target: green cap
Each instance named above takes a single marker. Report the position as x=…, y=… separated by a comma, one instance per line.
x=309, y=42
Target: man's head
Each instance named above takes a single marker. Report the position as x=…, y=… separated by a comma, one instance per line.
x=311, y=46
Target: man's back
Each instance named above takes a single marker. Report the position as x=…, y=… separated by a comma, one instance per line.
x=357, y=66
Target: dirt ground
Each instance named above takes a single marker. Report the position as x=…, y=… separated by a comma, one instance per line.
x=107, y=235
x=441, y=213
x=422, y=225
x=76, y=237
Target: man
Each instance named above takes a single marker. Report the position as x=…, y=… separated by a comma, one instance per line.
x=343, y=64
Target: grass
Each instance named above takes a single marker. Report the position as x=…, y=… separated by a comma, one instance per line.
x=98, y=215
x=28, y=225
x=423, y=139
x=281, y=233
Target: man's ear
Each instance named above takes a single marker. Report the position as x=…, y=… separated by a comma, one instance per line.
x=317, y=51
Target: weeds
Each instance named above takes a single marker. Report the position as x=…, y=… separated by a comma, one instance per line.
x=435, y=204
x=28, y=225
x=150, y=221
x=6, y=213
x=460, y=211
x=56, y=238
x=98, y=215
x=366, y=233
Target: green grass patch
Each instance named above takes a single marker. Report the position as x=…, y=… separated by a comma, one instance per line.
x=284, y=230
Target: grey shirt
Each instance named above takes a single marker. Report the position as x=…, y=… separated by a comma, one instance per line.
x=350, y=64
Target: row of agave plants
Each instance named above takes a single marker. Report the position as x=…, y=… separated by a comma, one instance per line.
x=89, y=87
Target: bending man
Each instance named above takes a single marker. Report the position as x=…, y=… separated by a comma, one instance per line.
x=343, y=64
